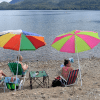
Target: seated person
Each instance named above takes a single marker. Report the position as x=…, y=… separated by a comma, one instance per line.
x=66, y=69
x=1, y=74
x=24, y=67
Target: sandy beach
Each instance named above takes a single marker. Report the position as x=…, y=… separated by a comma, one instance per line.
x=90, y=90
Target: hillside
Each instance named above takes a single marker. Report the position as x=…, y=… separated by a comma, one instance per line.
x=15, y=1
x=51, y=5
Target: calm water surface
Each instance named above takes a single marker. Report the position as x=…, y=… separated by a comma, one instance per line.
x=49, y=23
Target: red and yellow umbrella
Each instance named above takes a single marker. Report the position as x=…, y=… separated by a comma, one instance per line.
x=21, y=40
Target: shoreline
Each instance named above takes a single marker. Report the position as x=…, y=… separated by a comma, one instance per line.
x=47, y=53
x=37, y=60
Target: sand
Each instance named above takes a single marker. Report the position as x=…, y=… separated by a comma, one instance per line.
x=90, y=90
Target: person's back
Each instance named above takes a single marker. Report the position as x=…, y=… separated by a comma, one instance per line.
x=19, y=59
x=66, y=69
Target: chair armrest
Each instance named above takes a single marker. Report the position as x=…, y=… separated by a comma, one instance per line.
x=21, y=82
x=63, y=78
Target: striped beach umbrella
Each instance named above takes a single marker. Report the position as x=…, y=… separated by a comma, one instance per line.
x=20, y=40
x=76, y=41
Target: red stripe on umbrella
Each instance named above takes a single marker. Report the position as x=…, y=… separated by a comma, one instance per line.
x=37, y=43
x=13, y=43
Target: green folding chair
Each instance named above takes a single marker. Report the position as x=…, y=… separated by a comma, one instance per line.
x=13, y=68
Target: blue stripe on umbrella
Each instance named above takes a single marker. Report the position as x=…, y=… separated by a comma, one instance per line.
x=29, y=33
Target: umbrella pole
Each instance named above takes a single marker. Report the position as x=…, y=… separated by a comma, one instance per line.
x=79, y=64
x=17, y=64
x=79, y=68
x=17, y=72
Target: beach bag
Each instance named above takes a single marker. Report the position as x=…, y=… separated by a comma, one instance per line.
x=11, y=82
x=11, y=86
x=56, y=82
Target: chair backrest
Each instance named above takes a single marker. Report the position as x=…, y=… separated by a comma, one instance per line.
x=72, y=76
x=13, y=68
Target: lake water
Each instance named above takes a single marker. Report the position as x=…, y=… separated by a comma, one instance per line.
x=49, y=23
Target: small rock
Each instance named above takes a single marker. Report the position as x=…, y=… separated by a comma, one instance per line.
x=71, y=94
x=43, y=97
x=77, y=96
x=61, y=92
x=42, y=93
x=80, y=88
x=13, y=93
x=68, y=99
x=96, y=83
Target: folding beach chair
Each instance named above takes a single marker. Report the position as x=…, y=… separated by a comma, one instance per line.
x=10, y=84
x=2, y=85
x=72, y=78
x=13, y=68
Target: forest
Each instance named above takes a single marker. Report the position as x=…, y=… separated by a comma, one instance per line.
x=51, y=5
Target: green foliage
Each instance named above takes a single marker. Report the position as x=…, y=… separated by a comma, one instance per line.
x=52, y=5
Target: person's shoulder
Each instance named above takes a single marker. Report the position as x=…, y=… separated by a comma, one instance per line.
x=70, y=68
x=63, y=67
